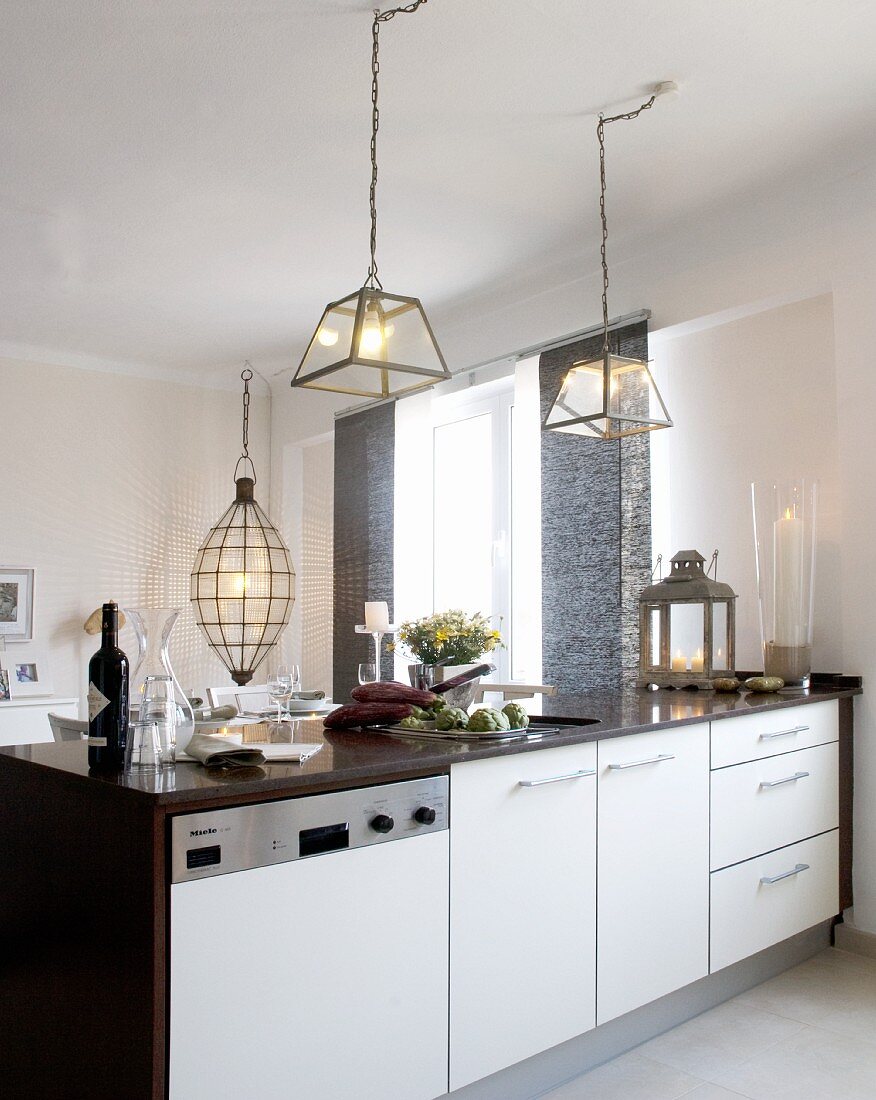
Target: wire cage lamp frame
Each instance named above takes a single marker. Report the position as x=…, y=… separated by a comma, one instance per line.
x=243, y=581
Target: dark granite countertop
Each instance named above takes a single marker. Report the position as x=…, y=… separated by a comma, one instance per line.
x=354, y=758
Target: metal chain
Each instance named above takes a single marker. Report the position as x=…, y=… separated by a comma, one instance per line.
x=372, y=279
x=246, y=375
x=600, y=134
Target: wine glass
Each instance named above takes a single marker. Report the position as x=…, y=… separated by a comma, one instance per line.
x=367, y=673
x=280, y=691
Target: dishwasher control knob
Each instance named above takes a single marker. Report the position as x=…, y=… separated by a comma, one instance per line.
x=383, y=823
x=425, y=815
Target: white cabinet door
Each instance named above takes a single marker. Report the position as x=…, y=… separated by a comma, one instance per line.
x=26, y=721
x=319, y=979
x=522, y=906
x=653, y=880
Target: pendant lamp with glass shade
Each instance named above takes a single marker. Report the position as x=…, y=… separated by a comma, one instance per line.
x=611, y=396
x=243, y=583
x=372, y=343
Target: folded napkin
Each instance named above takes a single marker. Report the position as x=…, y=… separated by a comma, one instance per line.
x=212, y=750
x=215, y=714
x=308, y=695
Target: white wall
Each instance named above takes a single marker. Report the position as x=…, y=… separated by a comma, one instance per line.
x=753, y=398
x=110, y=484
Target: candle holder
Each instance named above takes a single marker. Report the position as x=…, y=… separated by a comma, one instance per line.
x=784, y=538
x=687, y=626
x=377, y=635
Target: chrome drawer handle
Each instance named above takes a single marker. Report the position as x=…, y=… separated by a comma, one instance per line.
x=638, y=763
x=783, y=733
x=769, y=783
x=768, y=880
x=555, y=779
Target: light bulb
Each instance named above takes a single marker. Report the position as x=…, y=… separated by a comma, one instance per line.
x=372, y=338
x=328, y=337
x=240, y=584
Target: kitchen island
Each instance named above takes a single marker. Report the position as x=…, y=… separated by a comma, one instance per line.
x=88, y=916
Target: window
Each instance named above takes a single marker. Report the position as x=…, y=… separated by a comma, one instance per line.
x=467, y=511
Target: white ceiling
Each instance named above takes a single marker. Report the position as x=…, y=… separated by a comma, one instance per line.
x=184, y=182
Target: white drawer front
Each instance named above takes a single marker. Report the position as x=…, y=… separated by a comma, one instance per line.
x=749, y=914
x=754, y=736
x=767, y=804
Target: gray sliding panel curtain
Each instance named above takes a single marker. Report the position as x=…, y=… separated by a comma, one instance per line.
x=363, y=536
x=596, y=535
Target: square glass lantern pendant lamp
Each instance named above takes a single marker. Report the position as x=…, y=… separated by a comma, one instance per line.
x=608, y=398
x=687, y=627
x=372, y=344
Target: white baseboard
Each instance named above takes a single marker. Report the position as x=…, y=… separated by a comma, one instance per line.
x=849, y=938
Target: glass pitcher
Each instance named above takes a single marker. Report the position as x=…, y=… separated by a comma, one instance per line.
x=154, y=687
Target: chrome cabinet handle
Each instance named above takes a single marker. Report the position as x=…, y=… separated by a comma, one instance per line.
x=555, y=779
x=638, y=763
x=783, y=733
x=767, y=784
x=768, y=880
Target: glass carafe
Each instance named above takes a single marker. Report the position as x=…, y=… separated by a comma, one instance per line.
x=154, y=687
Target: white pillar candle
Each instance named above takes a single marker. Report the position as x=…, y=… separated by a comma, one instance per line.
x=697, y=662
x=377, y=616
x=790, y=625
x=679, y=662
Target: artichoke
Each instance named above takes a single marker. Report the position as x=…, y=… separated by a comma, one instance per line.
x=451, y=718
x=488, y=720
x=516, y=715
x=412, y=723
x=423, y=715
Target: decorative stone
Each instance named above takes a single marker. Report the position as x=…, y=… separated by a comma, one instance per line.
x=764, y=684
x=726, y=683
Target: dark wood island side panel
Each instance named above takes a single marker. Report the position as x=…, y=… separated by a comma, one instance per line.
x=82, y=924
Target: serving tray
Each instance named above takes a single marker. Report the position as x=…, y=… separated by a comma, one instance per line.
x=534, y=730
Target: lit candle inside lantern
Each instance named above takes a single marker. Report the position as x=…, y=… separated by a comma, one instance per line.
x=377, y=617
x=679, y=662
x=697, y=662
x=790, y=621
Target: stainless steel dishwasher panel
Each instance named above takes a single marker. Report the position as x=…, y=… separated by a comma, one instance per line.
x=311, y=959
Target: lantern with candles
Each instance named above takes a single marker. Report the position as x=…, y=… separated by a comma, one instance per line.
x=687, y=626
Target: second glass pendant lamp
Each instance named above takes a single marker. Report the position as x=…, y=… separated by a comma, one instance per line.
x=610, y=395
x=372, y=343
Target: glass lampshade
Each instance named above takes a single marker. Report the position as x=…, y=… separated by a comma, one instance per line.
x=243, y=585
x=608, y=398
x=372, y=344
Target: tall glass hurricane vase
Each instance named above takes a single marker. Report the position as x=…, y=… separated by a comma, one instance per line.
x=784, y=536
x=154, y=687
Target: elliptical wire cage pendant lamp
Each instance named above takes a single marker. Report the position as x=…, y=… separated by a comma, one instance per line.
x=611, y=396
x=243, y=582
x=372, y=343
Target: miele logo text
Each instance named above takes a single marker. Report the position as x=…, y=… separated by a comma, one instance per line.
x=201, y=832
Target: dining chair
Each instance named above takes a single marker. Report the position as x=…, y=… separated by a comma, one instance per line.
x=67, y=729
x=513, y=691
x=253, y=697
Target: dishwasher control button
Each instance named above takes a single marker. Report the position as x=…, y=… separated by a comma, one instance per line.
x=383, y=823
x=425, y=815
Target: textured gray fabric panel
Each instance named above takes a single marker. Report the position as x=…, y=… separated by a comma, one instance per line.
x=363, y=536
x=596, y=535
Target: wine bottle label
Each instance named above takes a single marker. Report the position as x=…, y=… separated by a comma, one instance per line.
x=98, y=742
x=97, y=702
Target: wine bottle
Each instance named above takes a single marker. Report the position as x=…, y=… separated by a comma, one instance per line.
x=108, y=697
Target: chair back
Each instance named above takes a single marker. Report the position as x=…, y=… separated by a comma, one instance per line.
x=513, y=691
x=67, y=729
x=253, y=697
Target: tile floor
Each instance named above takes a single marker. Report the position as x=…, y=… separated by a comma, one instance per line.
x=809, y=1034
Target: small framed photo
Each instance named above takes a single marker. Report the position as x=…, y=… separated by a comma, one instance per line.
x=16, y=604
x=4, y=686
x=28, y=674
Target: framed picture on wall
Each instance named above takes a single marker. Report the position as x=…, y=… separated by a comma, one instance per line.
x=4, y=686
x=28, y=673
x=16, y=604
